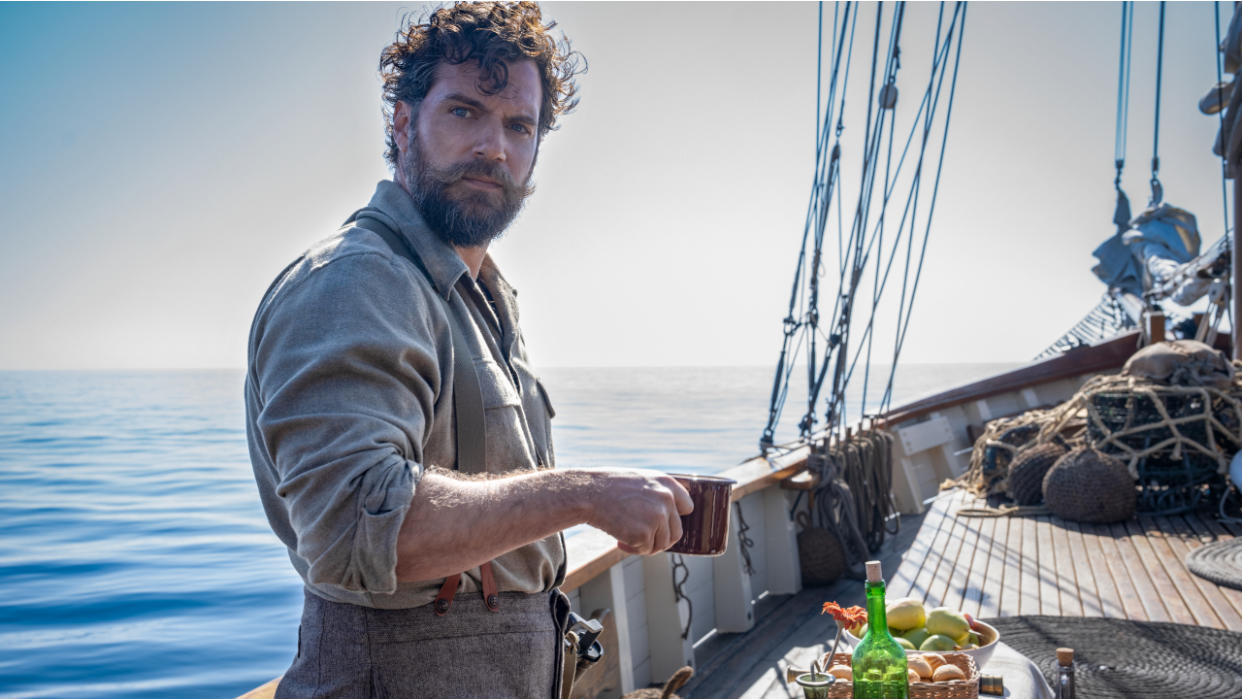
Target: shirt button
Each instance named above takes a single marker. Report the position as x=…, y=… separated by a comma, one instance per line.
x=442, y=606
x=493, y=601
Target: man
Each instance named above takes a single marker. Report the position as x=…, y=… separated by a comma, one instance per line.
x=427, y=530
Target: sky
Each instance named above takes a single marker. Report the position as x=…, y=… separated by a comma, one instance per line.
x=160, y=164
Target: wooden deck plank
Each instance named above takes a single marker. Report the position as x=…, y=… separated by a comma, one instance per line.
x=960, y=584
x=994, y=580
x=1047, y=567
x=918, y=565
x=1129, y=607
x=972, y=586
x=1085, y=591
x=1109, y=600
x=1011, y=561
x=1181, y=541
x=1212, y=530
x=1069, y=600
x=939, y=590
x=1158, y=568
x=1031, y=578
x=1138, y=575
x=1183, y=581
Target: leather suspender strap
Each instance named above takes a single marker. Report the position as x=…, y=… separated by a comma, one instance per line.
x=444, y=599
x=490, y=598
x=470, y=432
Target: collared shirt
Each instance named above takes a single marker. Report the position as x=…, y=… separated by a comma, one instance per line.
x=349, y=397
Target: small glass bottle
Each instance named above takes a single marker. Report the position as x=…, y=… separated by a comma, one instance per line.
x=879, y=662
x=1065, y=673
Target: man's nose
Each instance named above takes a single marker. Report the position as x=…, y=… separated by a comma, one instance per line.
x=490, y=144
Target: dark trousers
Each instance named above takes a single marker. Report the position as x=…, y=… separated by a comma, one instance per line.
x=351, y=652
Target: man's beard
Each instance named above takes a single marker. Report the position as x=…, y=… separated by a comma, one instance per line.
x=468, y=219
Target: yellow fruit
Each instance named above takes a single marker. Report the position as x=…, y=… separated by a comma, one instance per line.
x=841, y=672
x=906, y=614
x=938, y=642
x=918, y=664
x=905, y=643
x=947, y=672
x=947, y=622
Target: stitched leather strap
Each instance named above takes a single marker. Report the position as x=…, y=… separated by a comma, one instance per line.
x=444, y=599
x=490, y=598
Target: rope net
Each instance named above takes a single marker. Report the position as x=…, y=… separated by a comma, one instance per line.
x=1176, y=441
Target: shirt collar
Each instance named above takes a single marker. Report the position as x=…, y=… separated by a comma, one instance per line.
x=443, y=264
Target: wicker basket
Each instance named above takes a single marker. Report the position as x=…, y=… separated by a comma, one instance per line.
x=953, y=689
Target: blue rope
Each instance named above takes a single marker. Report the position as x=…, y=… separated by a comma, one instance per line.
x=1157, y=191
x=1121, y=214
x=1123, y=87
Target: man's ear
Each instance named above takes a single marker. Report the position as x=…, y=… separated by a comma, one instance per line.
x=401, y=115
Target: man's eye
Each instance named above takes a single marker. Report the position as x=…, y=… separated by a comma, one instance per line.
x=520, y=128
x=461, y=112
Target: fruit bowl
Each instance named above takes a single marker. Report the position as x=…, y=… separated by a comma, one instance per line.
x=987, y=634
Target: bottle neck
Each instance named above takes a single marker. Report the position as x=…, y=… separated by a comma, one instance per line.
x=877, y=617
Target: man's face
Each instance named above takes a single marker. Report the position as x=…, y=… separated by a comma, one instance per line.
x=466, y=158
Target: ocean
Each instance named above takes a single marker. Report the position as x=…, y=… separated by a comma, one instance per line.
x=135, y=560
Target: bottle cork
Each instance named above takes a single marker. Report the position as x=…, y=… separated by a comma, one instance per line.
x=1065, y=656
x=874, y=575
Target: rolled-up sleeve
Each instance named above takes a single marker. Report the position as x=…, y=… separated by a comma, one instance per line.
x=348, y=378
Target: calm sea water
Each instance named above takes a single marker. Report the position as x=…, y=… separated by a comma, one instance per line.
x=135, y=560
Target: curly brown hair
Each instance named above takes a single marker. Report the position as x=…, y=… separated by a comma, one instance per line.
x=491, y=33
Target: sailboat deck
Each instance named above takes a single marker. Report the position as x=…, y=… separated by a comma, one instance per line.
x=994, y=567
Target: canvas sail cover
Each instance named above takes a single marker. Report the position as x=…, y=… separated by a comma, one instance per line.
x=1158, y=241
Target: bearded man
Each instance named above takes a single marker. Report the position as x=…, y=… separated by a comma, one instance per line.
x=399, y=435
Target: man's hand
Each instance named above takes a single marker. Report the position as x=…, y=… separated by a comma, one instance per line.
x=641, y=509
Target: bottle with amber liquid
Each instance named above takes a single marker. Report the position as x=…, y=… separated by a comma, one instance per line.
x=879, y=662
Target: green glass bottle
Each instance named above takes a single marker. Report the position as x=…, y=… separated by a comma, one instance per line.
x=879, y=663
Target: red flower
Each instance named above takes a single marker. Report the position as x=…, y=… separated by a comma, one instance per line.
x=852, y=617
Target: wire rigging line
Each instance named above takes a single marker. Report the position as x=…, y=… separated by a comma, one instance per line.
x=1121, y=214
x=1123, y=87
x=865, y=240
x=821, y=192
x=935, y=190
x=1157, y=191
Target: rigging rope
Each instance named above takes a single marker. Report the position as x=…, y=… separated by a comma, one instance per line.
x=859, y=244
x=1122, y=215
x=1157, y=191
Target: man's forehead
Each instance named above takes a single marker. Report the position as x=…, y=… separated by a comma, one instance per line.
x=523, y=87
